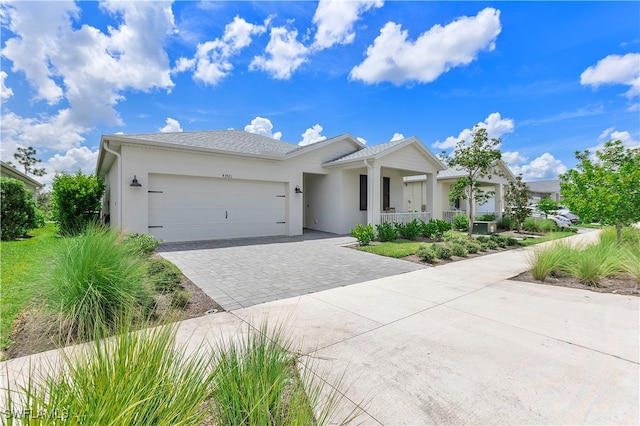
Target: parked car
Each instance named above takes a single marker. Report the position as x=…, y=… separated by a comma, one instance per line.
x=563, y=211
x=560, y=220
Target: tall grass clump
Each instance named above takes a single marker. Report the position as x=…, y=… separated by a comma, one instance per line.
x=630, y=260
x=94, y=280
x=549, y=261
x=595, y=262
x=256, y=383
x=132, y=379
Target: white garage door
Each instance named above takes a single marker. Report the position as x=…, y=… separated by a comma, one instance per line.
x=186, y=208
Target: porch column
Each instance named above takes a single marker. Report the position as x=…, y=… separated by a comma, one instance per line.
x=499, y=197
x=432, y=202
x=373, y=193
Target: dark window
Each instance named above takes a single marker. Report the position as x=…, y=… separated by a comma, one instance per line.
x=457, y=203
x=386, y=192
x=363, y=192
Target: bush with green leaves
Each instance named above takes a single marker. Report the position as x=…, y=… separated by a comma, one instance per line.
x=180, y=299
x=512, y=242
x=146, y=243
x=458, y=249
x=18, y=209
x=426, y=254
x=96, y=279
x=500, y=240
x=460, y=222
x=505, y=223
x=364, y=234
x=386, y=231
x=482, y=238
x=491, y=244
x=435, y=228
x=548, y=225
x=441, y=251
x=486, y=217
x=410, y=230
x=76, y=201
x=164, y=275
x=473, y=246
x=531, y=224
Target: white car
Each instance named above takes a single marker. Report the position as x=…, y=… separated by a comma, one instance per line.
x=561, y=221
x=563, y=211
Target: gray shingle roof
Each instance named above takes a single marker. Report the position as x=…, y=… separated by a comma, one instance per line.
x=544, y=186
x=237, y=141
x=369, y=151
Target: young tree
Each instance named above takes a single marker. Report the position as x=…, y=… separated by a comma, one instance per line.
x=76, y=200
x=547, y=206
x=477, y=160
x=517, y=199
x=27, y=157
x=605, y=188
x=18, y=209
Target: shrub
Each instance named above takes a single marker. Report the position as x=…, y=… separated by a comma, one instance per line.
x=386, y=232
x=364, y=234
x=458, y=249
x=482, y=239
x=548, y=225
x=485, y=246
x=40, y=218
x=426, y=254
x=500, y=240
x=531, y=224
x=630, y=260
x=595, y=262
x=473, y=246
x=95, y=280
x=505, y=223
x=549, y=261
x=512, y=242
x=18, y=209
x=486, y=217
x=409, y=230
x=435, y=228
x=180, y=299
x=630, y=236
x=492, y=244
x=460, y=222
x=441, y=251
x=143, y=242
x=76, y=201
x=134, y=378
x=164, y=275
x=429, y=229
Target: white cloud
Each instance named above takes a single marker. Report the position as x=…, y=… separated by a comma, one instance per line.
x=335, y=20
x=262, y=126
x=496, y=127
x=56, y=132
x=392, y=57
x=396, y=137
x=211, y=61
x=363, y=141
x=172, y=126
x=513, y=158
x=5, y=92
x=75, y=159
x=545, y=167
x=312, y=135
x=611, y=134
x=284, y=54
x=87, y=67
x=615, y=69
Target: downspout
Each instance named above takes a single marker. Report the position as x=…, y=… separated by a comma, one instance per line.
x=369, y=191
x=119, y=161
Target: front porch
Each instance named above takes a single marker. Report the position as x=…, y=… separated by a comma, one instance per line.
x=404, y=217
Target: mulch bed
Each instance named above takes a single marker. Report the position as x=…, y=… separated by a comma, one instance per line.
x=622, y=284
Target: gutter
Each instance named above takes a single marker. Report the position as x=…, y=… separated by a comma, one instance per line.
x=369, y=191
x=119, y=164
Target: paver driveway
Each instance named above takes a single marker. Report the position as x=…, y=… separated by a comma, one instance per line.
x=245, y=272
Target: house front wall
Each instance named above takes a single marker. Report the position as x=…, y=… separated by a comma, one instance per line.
x=497, y=184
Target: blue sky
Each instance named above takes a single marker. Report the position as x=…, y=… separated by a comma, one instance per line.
x=548, y=78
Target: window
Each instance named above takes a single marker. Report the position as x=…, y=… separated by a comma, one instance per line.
x=386, y=192
x=363, y=192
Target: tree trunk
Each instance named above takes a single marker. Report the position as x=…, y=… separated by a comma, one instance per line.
x=472, y=205
x=619, y=232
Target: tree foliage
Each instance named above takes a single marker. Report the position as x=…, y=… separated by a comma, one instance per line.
x=605, y=187
x=18, y=209
x=27, y=157
x=517, y=199
x=478, y=160
x=547, y=206
x=76, y=201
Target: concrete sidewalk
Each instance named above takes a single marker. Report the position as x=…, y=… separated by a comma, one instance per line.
x=458, y=343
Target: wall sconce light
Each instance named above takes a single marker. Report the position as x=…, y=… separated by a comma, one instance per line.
x=298, y=190
x=135, y=182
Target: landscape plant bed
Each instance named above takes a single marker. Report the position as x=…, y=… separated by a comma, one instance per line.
x=621, y=284
x=35, y=332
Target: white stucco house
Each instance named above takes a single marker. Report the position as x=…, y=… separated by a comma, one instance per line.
x=9, y=171
x=415, y=194
x=191, y=186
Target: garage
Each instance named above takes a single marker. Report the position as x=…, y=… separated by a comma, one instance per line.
x=191, y=208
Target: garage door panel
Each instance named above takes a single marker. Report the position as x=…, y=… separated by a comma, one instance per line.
x=184, y=208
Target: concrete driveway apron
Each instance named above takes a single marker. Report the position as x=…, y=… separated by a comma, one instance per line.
x=249, y=271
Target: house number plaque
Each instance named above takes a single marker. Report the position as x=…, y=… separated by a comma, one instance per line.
x=227, y=176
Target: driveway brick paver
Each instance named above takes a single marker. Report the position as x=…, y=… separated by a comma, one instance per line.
x=249, y=271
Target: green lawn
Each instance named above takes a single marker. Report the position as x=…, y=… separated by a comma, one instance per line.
x=23, y=263
x=546, y=237
x=395, y=249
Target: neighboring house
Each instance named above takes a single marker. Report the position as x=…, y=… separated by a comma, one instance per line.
x=7, y=170
x=227, y=184
x=415, y=194
x=543, y=189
